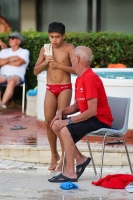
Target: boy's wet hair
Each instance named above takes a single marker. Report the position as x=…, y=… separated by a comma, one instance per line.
x=57, y=27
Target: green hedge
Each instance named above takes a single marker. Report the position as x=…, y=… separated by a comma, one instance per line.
x=107, y=48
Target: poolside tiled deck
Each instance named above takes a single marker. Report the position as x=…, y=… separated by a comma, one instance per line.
x=31, y=144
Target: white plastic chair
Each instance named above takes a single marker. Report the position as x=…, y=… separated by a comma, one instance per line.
x=120, y=111
x=22, y=84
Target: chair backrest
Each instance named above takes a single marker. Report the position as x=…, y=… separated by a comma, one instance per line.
x=120, y=111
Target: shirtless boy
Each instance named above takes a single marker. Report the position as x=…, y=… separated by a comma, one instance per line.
x=58, y=87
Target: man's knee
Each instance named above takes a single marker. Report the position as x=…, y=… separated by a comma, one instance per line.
x=11, y=84
x=64, y=132
x=2, y=79
x=55, y=128
x=13, y=81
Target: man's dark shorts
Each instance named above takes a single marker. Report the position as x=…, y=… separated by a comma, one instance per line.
x=80, y=129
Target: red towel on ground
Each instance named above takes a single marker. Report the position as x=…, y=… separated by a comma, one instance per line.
x=117, y=181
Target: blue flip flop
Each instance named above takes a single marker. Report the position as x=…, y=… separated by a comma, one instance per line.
x=61, y=178
x=82, y=167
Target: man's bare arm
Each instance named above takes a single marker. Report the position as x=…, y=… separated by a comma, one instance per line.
x=67, y=111
x=70, y=109
x=17, y=62
x=12, y=60
x=42, y=62
x=4, y=61
x=90, y=112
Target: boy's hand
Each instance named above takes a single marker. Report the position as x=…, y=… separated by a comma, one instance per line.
x=53, y=64
x=48, y=59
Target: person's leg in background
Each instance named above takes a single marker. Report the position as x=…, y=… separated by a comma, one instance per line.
x=12, y=82
x=2, y=80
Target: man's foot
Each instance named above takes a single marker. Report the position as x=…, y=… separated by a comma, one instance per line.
x=80, y=168
x=61, y=179
x=54, y=161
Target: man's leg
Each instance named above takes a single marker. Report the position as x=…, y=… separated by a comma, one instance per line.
x=81, y=160
x=50, y=108
x=69, y=147
x=63, y=101
x=2, y=79
x=12, y=82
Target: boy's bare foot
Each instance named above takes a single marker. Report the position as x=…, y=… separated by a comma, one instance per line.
x=54, y=161
x=59, y=167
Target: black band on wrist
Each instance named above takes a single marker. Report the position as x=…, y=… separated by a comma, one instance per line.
x=70, y=120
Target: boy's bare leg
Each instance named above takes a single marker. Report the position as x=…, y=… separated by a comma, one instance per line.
x=50, y=108
x=64, y=100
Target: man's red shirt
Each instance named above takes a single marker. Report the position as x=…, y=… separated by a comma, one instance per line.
x=88, y=86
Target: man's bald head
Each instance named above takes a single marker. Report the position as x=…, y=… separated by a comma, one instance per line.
x=84, y=53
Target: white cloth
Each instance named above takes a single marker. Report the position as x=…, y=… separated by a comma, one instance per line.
x=13, y=70
x=48, y=49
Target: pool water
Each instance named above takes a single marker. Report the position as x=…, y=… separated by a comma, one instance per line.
x=116, y=75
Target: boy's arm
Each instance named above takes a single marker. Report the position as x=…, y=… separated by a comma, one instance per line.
x=42, y=62
x=64, y=67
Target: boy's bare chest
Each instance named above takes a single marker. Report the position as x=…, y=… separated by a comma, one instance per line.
x=61, y=55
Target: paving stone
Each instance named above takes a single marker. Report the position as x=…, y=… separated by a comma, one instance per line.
x=28, y=165
x=6, y=163
x=17, y=164
x=1, y=160
x=34, y=185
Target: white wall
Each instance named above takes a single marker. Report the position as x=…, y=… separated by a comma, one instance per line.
x=113, y=87
x=117, y=15
x=72, y=13
x=28, y=15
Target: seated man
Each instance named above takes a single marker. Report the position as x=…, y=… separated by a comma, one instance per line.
x=95, y=113
x=13, y=64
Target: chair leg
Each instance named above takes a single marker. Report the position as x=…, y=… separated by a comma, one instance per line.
x=23, y=97
x=102, y=155
x=87, y=140
x=129, y=161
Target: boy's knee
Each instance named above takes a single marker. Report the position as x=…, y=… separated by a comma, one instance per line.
x=47, y=124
